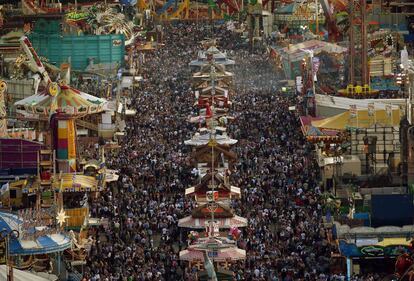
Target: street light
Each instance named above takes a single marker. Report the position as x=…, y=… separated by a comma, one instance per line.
x=310, y=53
x=6, y=234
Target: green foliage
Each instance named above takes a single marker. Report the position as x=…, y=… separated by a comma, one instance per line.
x=77, y=16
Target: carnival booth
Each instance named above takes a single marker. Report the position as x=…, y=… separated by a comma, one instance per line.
x=365, y=248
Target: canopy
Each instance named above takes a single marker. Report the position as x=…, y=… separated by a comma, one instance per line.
x=204, y=139
x=69, y=101
x=45, y=244
x=219, y=57
x=326, y=105
x=297, y=52
x=196, y=223
x=234, y=191
x=76, y=183
x=222, y=255
x=362, y=120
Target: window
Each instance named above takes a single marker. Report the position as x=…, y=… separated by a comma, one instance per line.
x=13, y=193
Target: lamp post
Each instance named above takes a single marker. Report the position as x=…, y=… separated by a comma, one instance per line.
x=311, y=55
x=6, y=234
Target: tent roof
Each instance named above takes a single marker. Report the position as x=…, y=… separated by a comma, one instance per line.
x=68, y=98
x=232, y=253
x=296, y=52
x=343, y=120
x=20, y=275
x=344, y=103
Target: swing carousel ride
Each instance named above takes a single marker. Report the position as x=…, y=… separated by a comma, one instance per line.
x=45, y=200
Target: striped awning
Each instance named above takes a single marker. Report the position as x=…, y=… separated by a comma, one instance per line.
x=69, y=101
x=197, y=223
x=46, y=244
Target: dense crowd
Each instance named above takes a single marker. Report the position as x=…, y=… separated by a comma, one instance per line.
x=280, y=192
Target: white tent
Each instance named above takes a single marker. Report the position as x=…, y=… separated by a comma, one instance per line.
x=20, y=275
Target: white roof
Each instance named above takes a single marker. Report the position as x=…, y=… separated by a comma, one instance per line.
x=20, y=275
x=203, y=139
x=361, y=104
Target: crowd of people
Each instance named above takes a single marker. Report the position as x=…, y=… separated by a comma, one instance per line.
x=275, y=171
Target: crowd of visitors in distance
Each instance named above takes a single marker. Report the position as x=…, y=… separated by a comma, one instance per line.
x=275, y=171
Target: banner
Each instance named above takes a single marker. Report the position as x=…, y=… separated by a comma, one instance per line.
x=315, y=67
x=371, y=109
x=71, y=139
x=299, y=84
x=315, y=64
x=388, y=110
x=353, y=111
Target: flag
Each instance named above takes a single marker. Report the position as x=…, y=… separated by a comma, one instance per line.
x=299, y=84
x=388, y=110
x=315, y=67
x=353, y=111
x=315, y=64
x=212, y=196
x=84, y=202
x=371, y=109
x=404, y=58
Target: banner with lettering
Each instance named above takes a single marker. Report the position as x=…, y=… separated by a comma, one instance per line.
x=388, y=110
x=353, y=111
x=371, y=109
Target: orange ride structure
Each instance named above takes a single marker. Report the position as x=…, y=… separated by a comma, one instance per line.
x=215, y=248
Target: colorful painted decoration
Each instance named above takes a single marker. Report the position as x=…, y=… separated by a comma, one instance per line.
x=54, y=89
